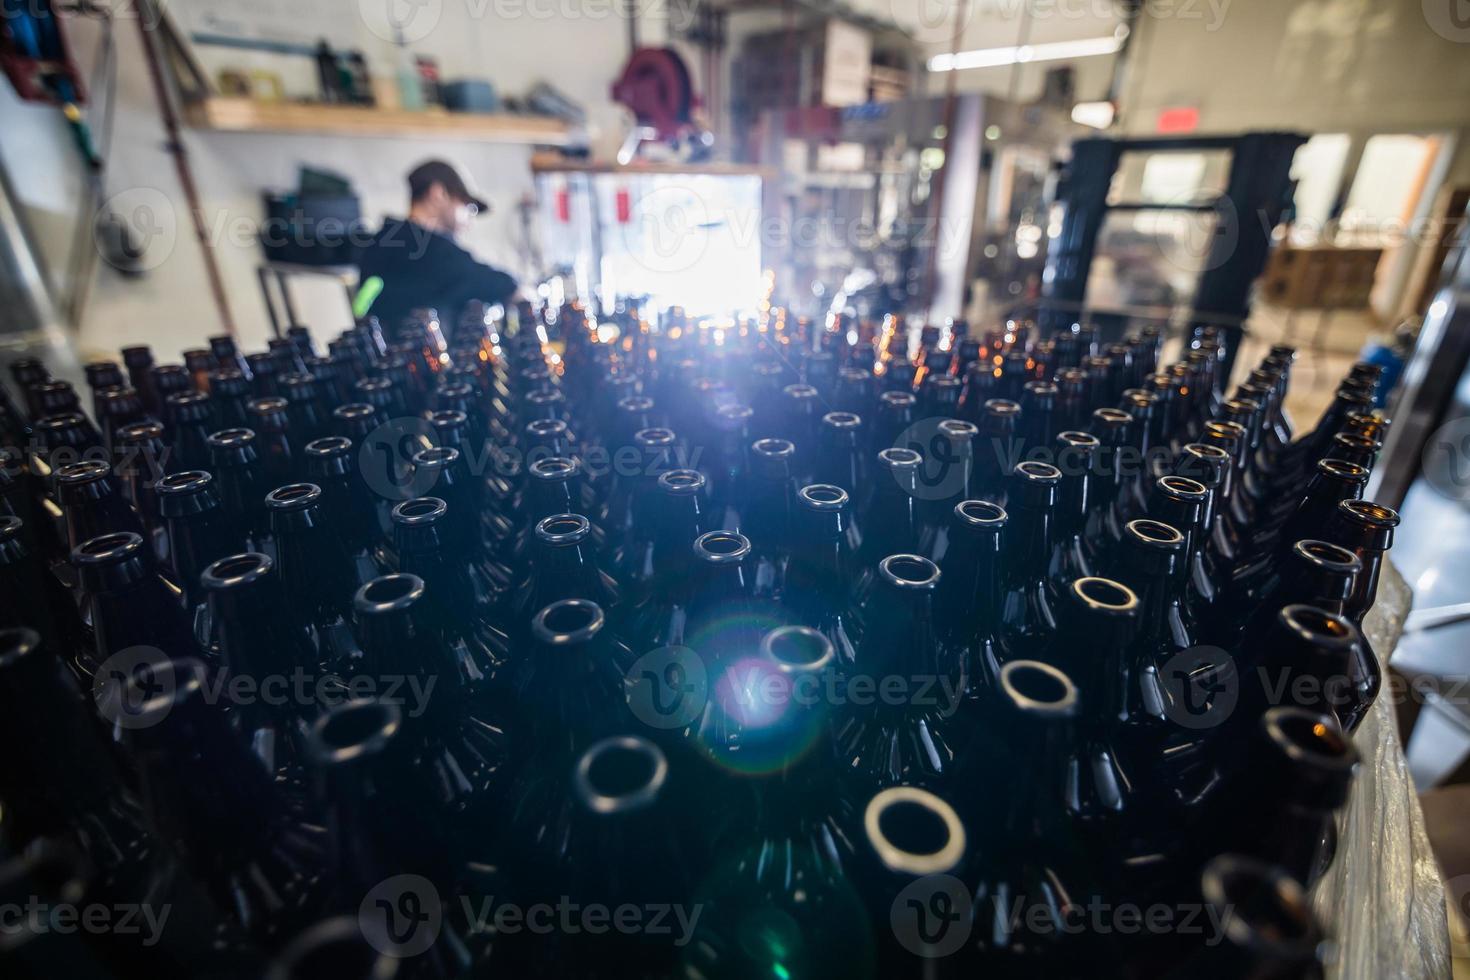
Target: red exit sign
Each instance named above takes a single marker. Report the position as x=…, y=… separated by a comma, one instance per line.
x=1178, y=119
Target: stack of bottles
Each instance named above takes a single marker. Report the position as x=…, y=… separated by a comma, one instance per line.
x=588, y=649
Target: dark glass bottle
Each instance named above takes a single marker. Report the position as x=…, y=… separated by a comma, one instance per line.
x=1267, y=926
x=92, y=503
x=904, y=718
x=36, y=598
x=1333, y=482
x=269, y=652
x=765, y=516
x=371, y=788
x=211, y=796
x=118, y=408
x=890, y=521
x=1366, y=529
x=1304, y=761
x=332, y=465
x=304, y=411
x=243, y=482
x=103, y=376
x=461, y=742
x=273, y=440
x=1075, y=454
x=998, y=448
x=823, y=560
x=1309, y=658
x=564, y=567
x=1152, y=561
x=464, y=596
x=660, y=579
x=1313, y=572
x=198, y=535
x=1185, y=505
x=190, y=421
x=229, y=391
x=1026, y=615
x=970, y=588
x=127, y=602
x=316, y=572
x=1111, y=426
x=841, y=451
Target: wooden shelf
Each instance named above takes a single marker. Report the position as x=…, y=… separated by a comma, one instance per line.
x=235, y=115
x=552, y=163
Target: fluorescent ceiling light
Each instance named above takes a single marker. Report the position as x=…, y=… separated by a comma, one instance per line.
x=1098, y=115
x=1054, y=51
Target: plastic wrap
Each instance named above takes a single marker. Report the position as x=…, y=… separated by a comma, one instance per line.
x=1383, y=898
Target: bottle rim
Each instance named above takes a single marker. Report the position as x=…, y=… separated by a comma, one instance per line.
x=912, y=572
x=939, y=860
x=981, y=514
x=1106, y=595
x=188, y=481
x=1310, y=737
x=559, y=529
x=232, y=571
x=722, y=547
x=798, y=650
x=568, y=621
x=293, y=496
x=388, y=593
x=822, y=497
x=355, y=729
x=632, y=748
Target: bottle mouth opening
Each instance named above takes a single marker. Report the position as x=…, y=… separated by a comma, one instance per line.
x=554, y=468
x=654, y=437
x=229, y=438
x=541, y=428
x=1038, y=688
x=722, y=547
x=1227, y=430
x=374, y=384
x=185, y=482
x=1001, y=406
x=798, y=649
x=563, y=528
x=65, y=420
x=440, y=456
x=773, y=448
x=1308, y=735
x=1156, y=533
x=909, y=572
x=108, y=547
x=568, y=621
x=238, y=569
x=329, y=446
x=1078, y=440
x=1264, y=908
x=1328, y=556
x=266, y=406
x=1370, y=514
x=958, y=429
x=16, y=644
x=1343, y=469
x=1106, y=595
x=981, y=513
x=1036, y=472
x=295, y=496
x=900, y=458
x=735, y=414
x=389, y=593
x=1318, y=625
x=88, y=471
x=801, y=391
x=354, y=410
x=636, y=404
x=842, y=420
x=1358, y=442
x=621, y=774
x=823, y=496
x=901, y=399
x=140, y=432
x=10, y=527
x=422, y=510
x=355, y=729
x=1112, y=416
x=682, y=482
x=448, y=416
x=1183, y=488
x=914, y=832
x=1203, y=451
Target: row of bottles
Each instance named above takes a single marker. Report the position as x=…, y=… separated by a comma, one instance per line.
x=822, y=659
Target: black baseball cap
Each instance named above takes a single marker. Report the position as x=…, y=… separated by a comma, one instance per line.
x=426, y=175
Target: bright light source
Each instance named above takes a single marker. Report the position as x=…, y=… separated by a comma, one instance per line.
x=1054, y=51
x=1098, y=115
